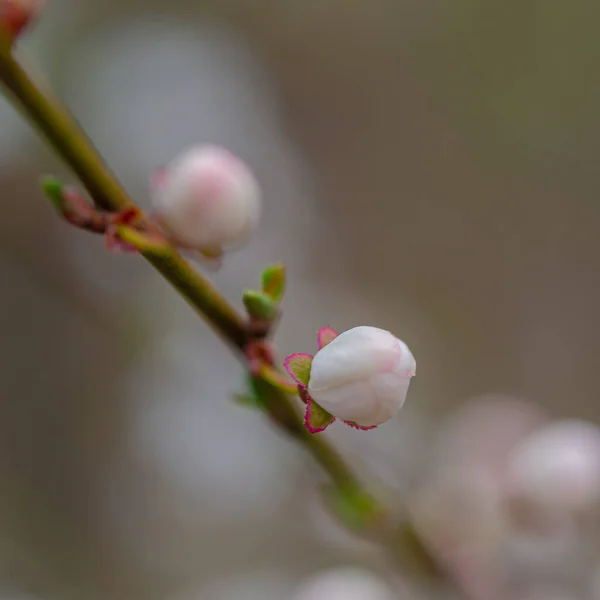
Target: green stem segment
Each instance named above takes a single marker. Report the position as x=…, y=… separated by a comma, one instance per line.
x=65, y=136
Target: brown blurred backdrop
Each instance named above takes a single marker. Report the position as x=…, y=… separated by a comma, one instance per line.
x=429, y=168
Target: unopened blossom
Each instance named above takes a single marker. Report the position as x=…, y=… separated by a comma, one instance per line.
x=482, y=433
x=558, y=467
x=15, y=15
x=360, y=376
x=345, y=584
x=207, y=199
x=459, y=506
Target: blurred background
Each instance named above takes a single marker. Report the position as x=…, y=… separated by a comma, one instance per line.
x=428, y=168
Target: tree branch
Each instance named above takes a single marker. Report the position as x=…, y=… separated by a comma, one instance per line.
x=66, y=137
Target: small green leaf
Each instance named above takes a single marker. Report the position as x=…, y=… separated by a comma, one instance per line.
x=53, y=190
x=255, y=385
x=297, y=366
x=252, y=396
x=259, y=305
x=273, y=281
x=317, y=419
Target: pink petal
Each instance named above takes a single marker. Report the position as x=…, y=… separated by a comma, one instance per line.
x=297, y=367
x=315, y=413
x=361, y=427
x=325, y=336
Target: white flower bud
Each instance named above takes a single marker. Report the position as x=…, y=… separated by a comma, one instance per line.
x=207, y=198
x=558, y=467
x=362, y=376
x=345, y=584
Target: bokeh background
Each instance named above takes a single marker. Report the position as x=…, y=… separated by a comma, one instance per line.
x=428, y=167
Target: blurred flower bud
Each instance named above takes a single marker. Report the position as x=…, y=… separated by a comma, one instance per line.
x=558, y=467
x=15, y=15
x=362, y=376
x=483, y=432
x=345, y=584
x=207, y=199
x=459, y=505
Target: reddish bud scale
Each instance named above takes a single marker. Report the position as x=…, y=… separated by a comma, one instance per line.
x=16, y=15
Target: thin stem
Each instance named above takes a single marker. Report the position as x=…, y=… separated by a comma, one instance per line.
x=198, y=292
x=330, y=461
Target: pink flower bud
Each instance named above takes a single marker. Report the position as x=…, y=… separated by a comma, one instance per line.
x=208, y=199
x=362, y=376
x=15, y=15
x=345, y=584
x=558, y=467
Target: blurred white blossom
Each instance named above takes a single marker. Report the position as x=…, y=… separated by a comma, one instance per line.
x=348, y=583
x=459, y=505
x=558, y=466
x=483, y=432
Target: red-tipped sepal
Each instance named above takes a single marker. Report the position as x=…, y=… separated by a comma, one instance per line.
x=316, y=419
x=325, y=336
x=361, y=427
x=297, y=366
